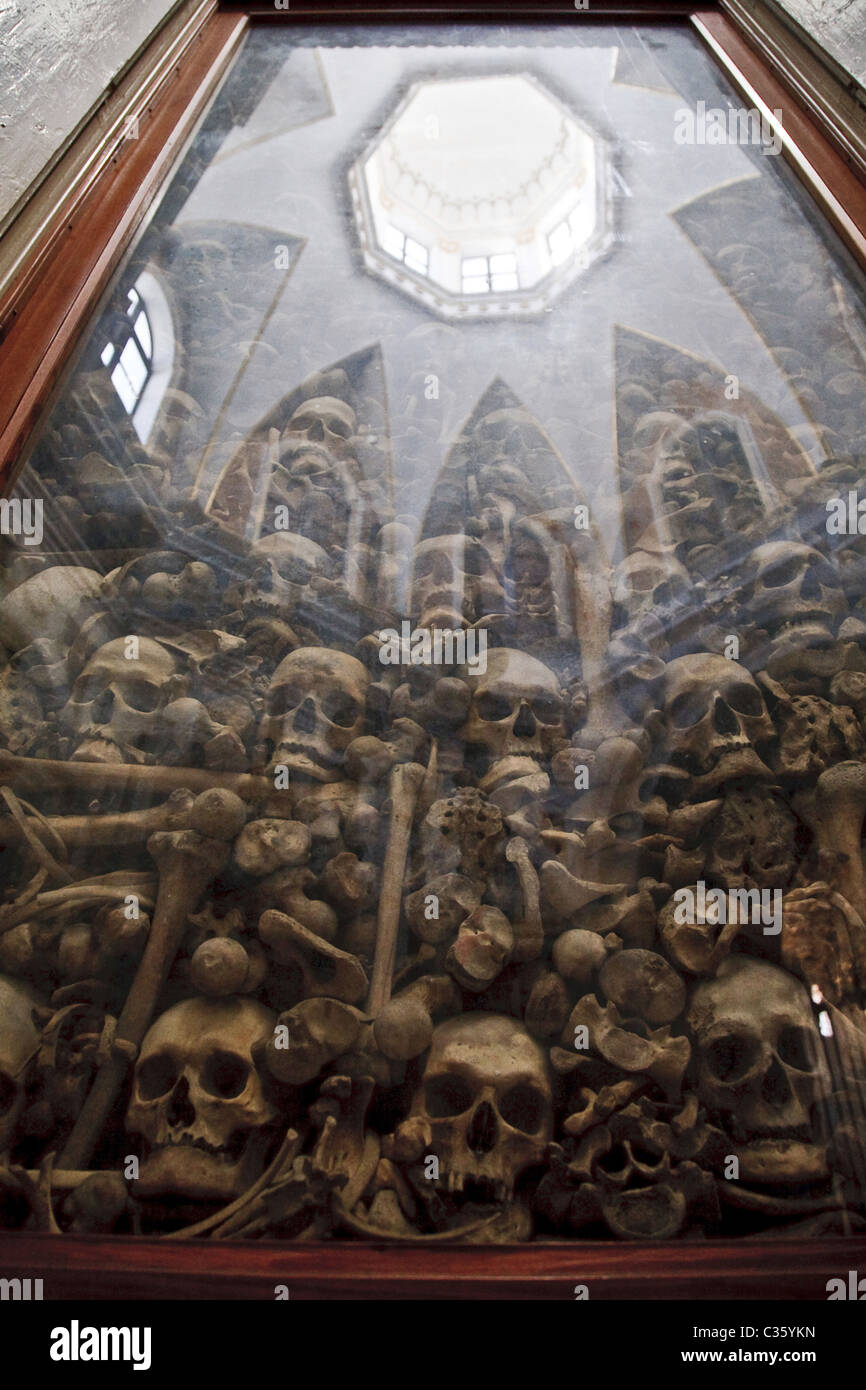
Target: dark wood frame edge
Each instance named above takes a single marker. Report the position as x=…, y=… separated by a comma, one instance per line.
x=75, y=260
x=116, y=1267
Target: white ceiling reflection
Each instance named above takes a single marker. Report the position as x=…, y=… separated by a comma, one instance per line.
x=560, y=363
x=480, y=196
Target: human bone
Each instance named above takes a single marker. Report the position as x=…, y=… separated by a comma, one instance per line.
x=49, y=606
x=115, y=712
x=20, y=1037
x=715, y=719
x=315, y=708
x=794, y=590
x=760, y=1062
x=484, y=1104
x=517, y=707
x=199, y=1099
x=451, y=582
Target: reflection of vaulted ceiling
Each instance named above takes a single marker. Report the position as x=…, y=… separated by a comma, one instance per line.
x=659, y=281
x=691, y=266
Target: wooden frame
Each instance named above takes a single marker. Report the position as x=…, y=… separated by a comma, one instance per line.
x=118, y=1267
x=69, y=266
x=60, y=283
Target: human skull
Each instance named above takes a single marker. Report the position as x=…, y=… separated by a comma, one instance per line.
x=20, y=1038
x=317, y=472
x=646, y=583
x=760, y=1062
x=517, y=707
x=285, y=565
x=50, y=606
x=795, y=591
x=191, y=590
x=486, y=1097
x=199, y=1102
x=315, y=708
x=535, y=577
x=323, y=422
x=450, y=577
x=115, y=711
x=714, y=716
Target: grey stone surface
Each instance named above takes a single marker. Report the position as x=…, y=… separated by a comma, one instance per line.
x=839, y=26
x=57, y=57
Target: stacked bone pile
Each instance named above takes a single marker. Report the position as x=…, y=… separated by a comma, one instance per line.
x=301, y=941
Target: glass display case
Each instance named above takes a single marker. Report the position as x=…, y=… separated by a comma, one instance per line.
x=434, y=631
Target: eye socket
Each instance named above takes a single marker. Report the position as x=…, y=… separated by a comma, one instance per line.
x=523, y=1107
x=225, y=1075
x=142, y=696
x=796, y=1048
x=547, y=710
x=493, y=707
x=340, y=710
x=786, y=572
x=447, y=1096
x=286, y=698
x=744, y=699
x=294, y=570
x=88, y=688
x=730, y=1057
x=687, y=709
x=423, y=565
x=337, y=426
x=157, y=1076
x=7, y=1093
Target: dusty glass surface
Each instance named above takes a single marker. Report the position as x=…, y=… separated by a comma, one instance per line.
x=457, y=495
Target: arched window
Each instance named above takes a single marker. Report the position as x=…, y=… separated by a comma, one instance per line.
x=140, y=352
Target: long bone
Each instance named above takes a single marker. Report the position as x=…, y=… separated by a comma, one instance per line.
x=28, y=775
x=122, y=828
x=187, y=861
x=836, y=817
x=405, y=788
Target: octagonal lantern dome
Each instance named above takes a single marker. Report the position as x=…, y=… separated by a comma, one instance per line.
x=481, y=196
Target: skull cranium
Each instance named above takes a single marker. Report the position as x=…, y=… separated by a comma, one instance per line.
x=116, y=707
x=517, y=707
x=19, y=1041
x=794, y=591
x=714, y=716
x=451, y=576
x=315, y=708
x=760, y=1063
x=486, y=1098
x=199, y=1102
x=286, y=563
